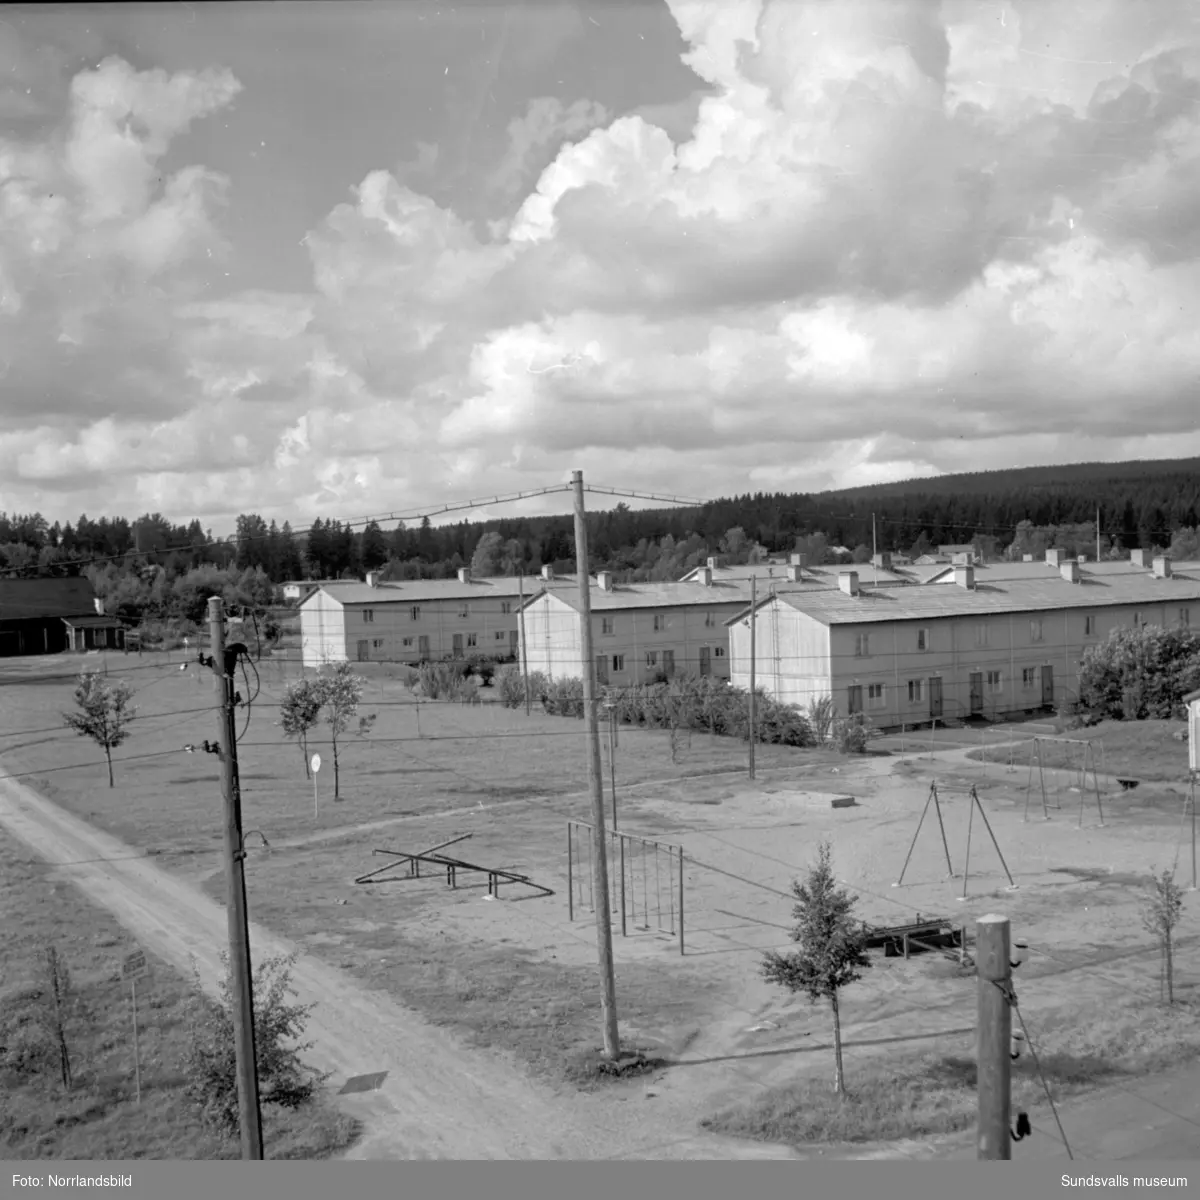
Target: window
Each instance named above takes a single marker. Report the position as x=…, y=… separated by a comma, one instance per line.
x=368, y=615
x=718, y=652
x=862, y=645
x=499, y=635
x=994, y=682
x=660, y=622
x=377, y=643
x=875, y=697
x=1185, y=617
x=471, y=639
x=1089, y=626
x=415, y=612
x=651, y=658
x=606, y=626
x=981, y=635
x=922, y=640
x=407, y=641
x=1035, y=630
x=1028, y=677
x=915, y=689
x=464, y=610
x=710, y=619
x=618, y=663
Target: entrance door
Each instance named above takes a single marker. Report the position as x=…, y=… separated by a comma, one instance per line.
x=1048, y=687
x=362, y=649
x=976, y=691
x=423, y=647
x=458, y=645
x=855, y=698
x=705, y=661
x=602, y=668
x=514, y=642
x=935, y=695
x=669, y=663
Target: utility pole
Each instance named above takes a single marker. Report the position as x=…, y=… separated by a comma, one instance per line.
x=1097, y=533
x=524, y=651
x=753, y=657
x=608, y=985
x=994, y=1064
x=235, y=901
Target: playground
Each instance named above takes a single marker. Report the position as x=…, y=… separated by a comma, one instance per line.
x=455, y=874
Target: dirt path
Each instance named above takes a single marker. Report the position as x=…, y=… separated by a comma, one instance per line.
x=439, y=1100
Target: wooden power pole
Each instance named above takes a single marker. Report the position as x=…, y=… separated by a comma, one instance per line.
x=994, y=1064
x=524, y=651
x=753, y=662
x=608, y=985
x=235, y=901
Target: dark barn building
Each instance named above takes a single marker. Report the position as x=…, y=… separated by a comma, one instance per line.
x=48, y=616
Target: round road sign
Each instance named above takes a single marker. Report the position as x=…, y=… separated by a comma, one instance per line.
x=316, y=763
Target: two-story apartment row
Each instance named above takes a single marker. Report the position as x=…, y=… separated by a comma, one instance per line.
x=970, y=647
x=904, y=646
x=416, y=621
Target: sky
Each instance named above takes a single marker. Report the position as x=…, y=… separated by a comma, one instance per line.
x=346, y=259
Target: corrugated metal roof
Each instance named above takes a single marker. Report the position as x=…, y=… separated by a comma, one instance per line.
x=676, y=595
x=835, y=607
x=778, y=572
x=424, y=591
x=1039, y=569
x=29, y=599
x=93, y=622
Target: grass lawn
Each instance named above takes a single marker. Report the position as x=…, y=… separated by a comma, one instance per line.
x=98, y=1119
x=1143, y=750
x=927, y=1095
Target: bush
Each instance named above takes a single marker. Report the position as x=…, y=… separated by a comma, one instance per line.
x=211, y=1064
x=1140, y=673
x=444, y=681
x=852, y=733
x=705, y=705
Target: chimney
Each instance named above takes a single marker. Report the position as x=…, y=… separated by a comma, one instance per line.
x=99, y=606
x=798, y=560
x=795, y=573
x=715, y=562
x=1054, y=558
x=373, y=579
x=961, y=558
x=547, y=572
x=1027, y=558
x=464, y=574
x=964, y=575
x=604, y=579
x=1137, y=558
x=882, y=561
x=1162, y=568
x=705, y=576
x=848, y=582
x=1070, y=570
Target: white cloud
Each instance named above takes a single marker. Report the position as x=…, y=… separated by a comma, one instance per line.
x=897, y=239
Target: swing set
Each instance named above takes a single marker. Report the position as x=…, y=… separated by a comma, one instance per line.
x=640, y=870
x=975, y=805
x=1086, y=769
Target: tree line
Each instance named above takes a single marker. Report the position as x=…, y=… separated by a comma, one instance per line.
x=1148, y=505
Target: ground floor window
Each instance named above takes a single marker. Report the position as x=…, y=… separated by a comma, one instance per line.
x=875, y=695
x=618, y=662
x=916, y=689
x=994, y=682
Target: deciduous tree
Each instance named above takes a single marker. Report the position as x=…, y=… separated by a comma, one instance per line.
x=105, y=712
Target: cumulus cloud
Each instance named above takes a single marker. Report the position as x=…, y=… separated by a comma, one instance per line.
x=887, y=240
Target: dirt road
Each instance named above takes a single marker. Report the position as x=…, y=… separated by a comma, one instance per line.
x=440, y=1100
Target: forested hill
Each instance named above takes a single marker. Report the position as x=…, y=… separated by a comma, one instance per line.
x=1146, y=504
x=1169, y=475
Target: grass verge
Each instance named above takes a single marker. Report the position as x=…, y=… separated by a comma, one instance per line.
x=1145, y=750
x=934, y=1094
x=99, y=1119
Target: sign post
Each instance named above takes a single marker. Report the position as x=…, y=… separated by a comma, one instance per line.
x=132, y=969
x=315, y=766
